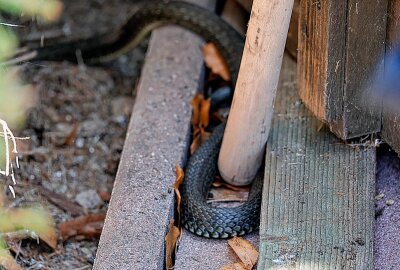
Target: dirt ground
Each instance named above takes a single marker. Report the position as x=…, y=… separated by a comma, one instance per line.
x=77, y=129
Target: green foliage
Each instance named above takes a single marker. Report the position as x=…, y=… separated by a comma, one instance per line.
x=8, y=44
x=48, y=10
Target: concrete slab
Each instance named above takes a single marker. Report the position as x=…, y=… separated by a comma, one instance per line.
x=197, y=253
x=142, y=200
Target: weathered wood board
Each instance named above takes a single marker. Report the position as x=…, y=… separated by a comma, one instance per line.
x=318, y=197
x=341, y=42
x=391, y=120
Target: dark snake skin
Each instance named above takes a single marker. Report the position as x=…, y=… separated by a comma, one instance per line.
x=197, y=216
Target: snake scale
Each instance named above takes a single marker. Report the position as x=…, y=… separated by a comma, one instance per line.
x=197, y=215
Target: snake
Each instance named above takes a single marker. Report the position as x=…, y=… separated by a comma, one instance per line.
x=197, y=215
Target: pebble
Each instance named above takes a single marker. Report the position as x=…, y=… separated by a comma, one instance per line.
x=89, y=199
x=379, y=196
x=389, y=202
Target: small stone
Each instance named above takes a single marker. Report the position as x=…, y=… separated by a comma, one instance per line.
x=80, y=142
x=122, y=106
x=89, y=199
x=389, y=202
x=379, y=196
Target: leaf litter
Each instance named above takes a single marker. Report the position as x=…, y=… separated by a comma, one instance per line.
x=76, y=136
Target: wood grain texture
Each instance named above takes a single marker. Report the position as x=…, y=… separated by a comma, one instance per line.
x=318, y=197
x=336, y=58
x=293, y=33
x=250, y=116
x=391, y=120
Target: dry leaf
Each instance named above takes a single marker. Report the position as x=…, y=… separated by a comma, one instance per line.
x=196, y=104
x=196, y=140
x=219, y=183
x=72, y=135
x=104, y=196
x=170, y=243
x=215, y=61
x=180, y=175
x=205, y=113
x=219, y=195
x=85, y=227
x=8, y=261
x=200, y=120
x=233, y=266
x=35, y=220
x=245, y=251
x=50, y=238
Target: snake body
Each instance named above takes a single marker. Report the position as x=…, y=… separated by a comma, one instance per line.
x=197, y=216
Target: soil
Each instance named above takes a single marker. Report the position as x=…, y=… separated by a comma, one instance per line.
x=77, y=128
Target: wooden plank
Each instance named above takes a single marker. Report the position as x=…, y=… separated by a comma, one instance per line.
x=391, y=120
x=318, y=205
x=293, y=33
x=336, y=58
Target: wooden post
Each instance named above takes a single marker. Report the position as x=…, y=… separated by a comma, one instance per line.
x=341, y=43
x=391, y=119
x=250, y=117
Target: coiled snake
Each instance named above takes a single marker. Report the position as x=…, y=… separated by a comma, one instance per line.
x=197, y=216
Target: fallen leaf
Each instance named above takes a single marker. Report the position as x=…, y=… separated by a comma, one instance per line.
x=200, y=120
x=245, y=251
x=72, y=135
x=104, y=196
x=33, y=219
x=215, y=61
x=205, y=113
x=170, y=243
x=62, y=202
x=180, y=175
x=196, y=104
x=233, y=266
x=8, y=261
x=85, y=227
x=219, y=183
x=196, y=140
x=50, y=238
x=219, y=195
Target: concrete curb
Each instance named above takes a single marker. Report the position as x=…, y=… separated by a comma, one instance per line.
x=197, y=253
x=158, y=135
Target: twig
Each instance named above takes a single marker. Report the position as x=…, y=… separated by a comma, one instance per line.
x=9, y=169
x=20, y=59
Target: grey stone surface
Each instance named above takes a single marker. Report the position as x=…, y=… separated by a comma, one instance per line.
x=157, y=139
x=197, y=253
x=89, y=199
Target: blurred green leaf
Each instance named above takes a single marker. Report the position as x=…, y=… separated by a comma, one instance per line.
x=49, y=10
x=8, y=43
x=15, y=98
x=33, y=219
